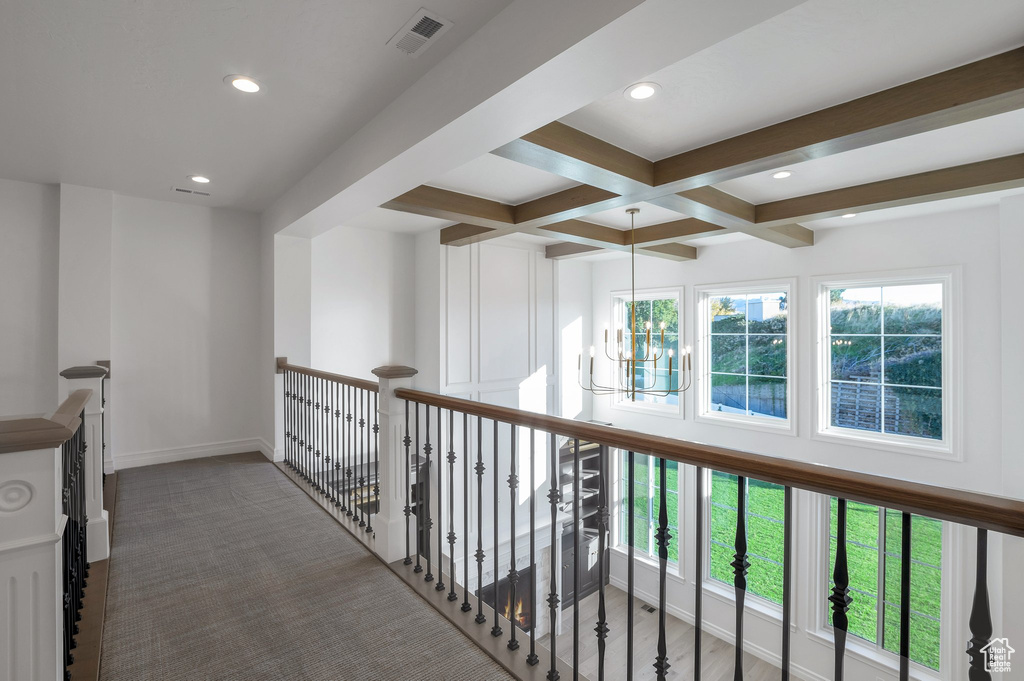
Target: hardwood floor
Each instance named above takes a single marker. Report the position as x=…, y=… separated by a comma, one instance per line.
x=717, y=655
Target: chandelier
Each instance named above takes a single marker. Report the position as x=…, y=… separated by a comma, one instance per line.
x=628, y=360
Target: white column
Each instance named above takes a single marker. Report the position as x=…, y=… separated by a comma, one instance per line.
x=97, y=529
x=393, y=475
x=31, y=524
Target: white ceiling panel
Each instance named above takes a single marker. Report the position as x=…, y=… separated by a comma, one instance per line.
x=820, y=53
x=498, y=179
x=649, y=215
x=978, y=140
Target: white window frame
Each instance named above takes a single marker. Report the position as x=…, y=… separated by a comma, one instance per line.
x=950, y=447
x=618, y=400
x=786, y=426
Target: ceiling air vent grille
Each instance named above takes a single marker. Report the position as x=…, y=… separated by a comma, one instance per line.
x=193, y=192
x=420, y=32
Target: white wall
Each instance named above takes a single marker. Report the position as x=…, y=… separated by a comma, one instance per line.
x=29, y=233
x=362, y=303
x=574, y=334
x=185, y=325
x=968, y=239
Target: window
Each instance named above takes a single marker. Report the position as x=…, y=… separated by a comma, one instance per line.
x=764, y=519
x=647, y=505
x=746, y=354
x=657, y=324
x=873, y=548
x=885, y=361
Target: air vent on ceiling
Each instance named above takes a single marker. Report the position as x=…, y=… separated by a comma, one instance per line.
x=420, y=32
x=193, y=192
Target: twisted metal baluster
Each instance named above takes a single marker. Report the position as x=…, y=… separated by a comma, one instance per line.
x=663, y=536
x=602, y=524
x=496, y=629
x=287, y=418
x=532, y=658
x=480, y=618
x=407, y=442
x=452, y=595
x=440, y=507
x=740, y=565
x=428, y=525
x=363, y=455
x=513, y=574
x=375, y=433
x=554, y=498
x=466, y=605
x=840, y=597
x=981, y=616
x=419, y=498
x=351, y=452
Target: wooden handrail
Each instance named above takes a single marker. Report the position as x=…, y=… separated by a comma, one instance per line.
x=28, y=434
x=1000, y=514
x=328, y=376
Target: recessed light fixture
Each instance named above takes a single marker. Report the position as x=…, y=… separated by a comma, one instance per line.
x=641, y=91
x=243, y=83
x=782, y=174
x=849, y=215
x=201, y=179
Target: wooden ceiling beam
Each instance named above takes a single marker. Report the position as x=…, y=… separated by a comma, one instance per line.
x=448, y=205
x=964, y=180
x=567, y=249
x=976, y=90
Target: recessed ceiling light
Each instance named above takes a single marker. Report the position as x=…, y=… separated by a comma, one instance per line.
x=641, y=91
x=849, y=215
x=782, y=174
x=201, y=179
x=243, y=83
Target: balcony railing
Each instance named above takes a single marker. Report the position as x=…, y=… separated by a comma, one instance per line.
x=506, y=493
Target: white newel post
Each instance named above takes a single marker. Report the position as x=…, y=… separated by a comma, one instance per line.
x=390, y=522
x=31, y=525
x=97, y=529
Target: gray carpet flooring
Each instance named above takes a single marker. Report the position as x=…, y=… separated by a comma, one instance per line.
x=223, y=569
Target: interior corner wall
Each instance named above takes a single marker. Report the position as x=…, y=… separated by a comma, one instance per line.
x=361, y=314
x=86, y=217
x=29, y=258
x=290, y=316
x=185, y=323
x=427, y=315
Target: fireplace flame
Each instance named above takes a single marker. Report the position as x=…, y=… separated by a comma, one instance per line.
x=519, y=616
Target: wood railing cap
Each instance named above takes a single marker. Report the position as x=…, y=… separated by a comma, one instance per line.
x=361, y=383
x=93, y=371
x=28, y=434
x=394, y=371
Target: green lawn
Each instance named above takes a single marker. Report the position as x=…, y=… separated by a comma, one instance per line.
x=764, y=541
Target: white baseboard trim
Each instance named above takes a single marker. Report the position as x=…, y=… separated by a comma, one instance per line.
x=269, y=451
x=150, y=458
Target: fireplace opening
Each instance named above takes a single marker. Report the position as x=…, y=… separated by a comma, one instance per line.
x=520, y=612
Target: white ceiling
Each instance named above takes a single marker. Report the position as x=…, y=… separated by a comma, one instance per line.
x=619, y=219
x=978, y=140
x=129, y=95
x=498, y=179
x=384, y=220
x=819, y=53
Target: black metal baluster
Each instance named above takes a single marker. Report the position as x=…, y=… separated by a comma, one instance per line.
x=466, y=605
x=496, y=629
x=427, y=524
x=342, y=462
x=787, y=578
x=740, y=565
x=318, y=434
x=375, y=444
x=576, y=532
x=840, y=597
x=407, y=442
x=307, y=467
x=287, y=418
x=630, y=541
x=339, y=446
x=440, y=507
x=363, y=457
x=419, y=498
x=663, y=536
x=554, y=498
x=513, y=573
x=481, y=618
x=300, y=411
x=905, y=599
x=452, y=596
x=532, y=658
x=981, y=616
x=602, y=527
